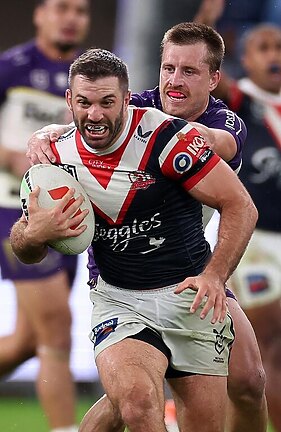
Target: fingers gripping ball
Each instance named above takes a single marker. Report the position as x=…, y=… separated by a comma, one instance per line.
x=54, y=183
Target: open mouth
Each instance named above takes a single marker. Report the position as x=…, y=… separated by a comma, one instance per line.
x=96, y=130
x=275, y=69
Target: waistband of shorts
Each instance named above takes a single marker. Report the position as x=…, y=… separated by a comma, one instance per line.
x=104, y=286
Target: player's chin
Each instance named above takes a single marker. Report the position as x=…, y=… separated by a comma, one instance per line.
x=174, y=108
x=97, y=143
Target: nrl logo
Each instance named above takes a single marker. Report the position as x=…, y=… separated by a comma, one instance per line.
x=140, y=179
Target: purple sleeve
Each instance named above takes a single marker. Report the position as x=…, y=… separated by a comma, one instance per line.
x=148, y=98
x=227, y=120
x=232, y=123
x=92, y=267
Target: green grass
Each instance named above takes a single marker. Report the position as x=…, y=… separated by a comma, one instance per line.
x=25, y=414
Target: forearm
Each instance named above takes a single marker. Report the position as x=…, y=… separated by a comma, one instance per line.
x=59, y=129
x=39, y=148
x=220, y=141
x=235, y=229
x=27, y=250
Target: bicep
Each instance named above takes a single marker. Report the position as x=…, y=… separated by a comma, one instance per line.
x=220, y=187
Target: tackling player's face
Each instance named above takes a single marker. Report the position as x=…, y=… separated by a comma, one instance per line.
x=62, y=23
x=262, y=58
x=185, y=80
x=99, y=109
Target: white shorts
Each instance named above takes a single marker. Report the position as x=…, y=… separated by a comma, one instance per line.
x=257, y=279
x=196, y=345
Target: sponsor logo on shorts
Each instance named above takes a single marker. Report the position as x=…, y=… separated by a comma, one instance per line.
x=220, y=340
x=257, y=283
x=103, y=330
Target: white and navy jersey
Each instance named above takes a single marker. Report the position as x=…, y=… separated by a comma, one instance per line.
x=261, y=169
x=148, y=227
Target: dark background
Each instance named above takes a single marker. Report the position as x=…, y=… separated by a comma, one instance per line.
x=16, y=23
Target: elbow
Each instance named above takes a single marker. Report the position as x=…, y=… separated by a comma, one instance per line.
x=29, y=256
x=29, y=259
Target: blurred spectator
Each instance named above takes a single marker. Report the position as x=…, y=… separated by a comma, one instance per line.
x=33, y=79
x=239, y=16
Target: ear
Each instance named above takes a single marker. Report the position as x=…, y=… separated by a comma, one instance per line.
x=68, y=99
x=127, y=98
x=214, y=80
x=38, y=16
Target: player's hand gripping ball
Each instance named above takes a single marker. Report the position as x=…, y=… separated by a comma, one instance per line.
x=54, y=183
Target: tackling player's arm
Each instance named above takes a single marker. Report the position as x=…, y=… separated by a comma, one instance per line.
x=220, y=141
x=39, y=145
x=25, y=248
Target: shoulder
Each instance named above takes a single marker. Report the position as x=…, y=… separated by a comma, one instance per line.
x=19, y=55
x=147, y=98
x=218, y=115
x=68, y=136
x=156, y=120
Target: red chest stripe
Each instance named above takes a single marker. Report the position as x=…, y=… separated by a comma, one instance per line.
x=109, y=162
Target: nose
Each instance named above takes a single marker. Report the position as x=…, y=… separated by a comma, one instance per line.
x=175, y=79
x=95, y=113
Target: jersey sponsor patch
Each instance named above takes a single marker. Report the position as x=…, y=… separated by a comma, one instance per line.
x=182, y=162
x=183, y=152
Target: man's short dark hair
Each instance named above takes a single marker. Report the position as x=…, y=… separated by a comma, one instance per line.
x=189, y=33
x=99, y=63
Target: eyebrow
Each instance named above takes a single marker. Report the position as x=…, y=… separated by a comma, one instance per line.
x=111, y=95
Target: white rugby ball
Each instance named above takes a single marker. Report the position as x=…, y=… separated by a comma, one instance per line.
x=54, y=182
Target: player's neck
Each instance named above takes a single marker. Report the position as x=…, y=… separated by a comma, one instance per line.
x=53, y=52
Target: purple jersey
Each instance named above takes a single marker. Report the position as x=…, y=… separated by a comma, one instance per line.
x=32, y=91
x=25, y=66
